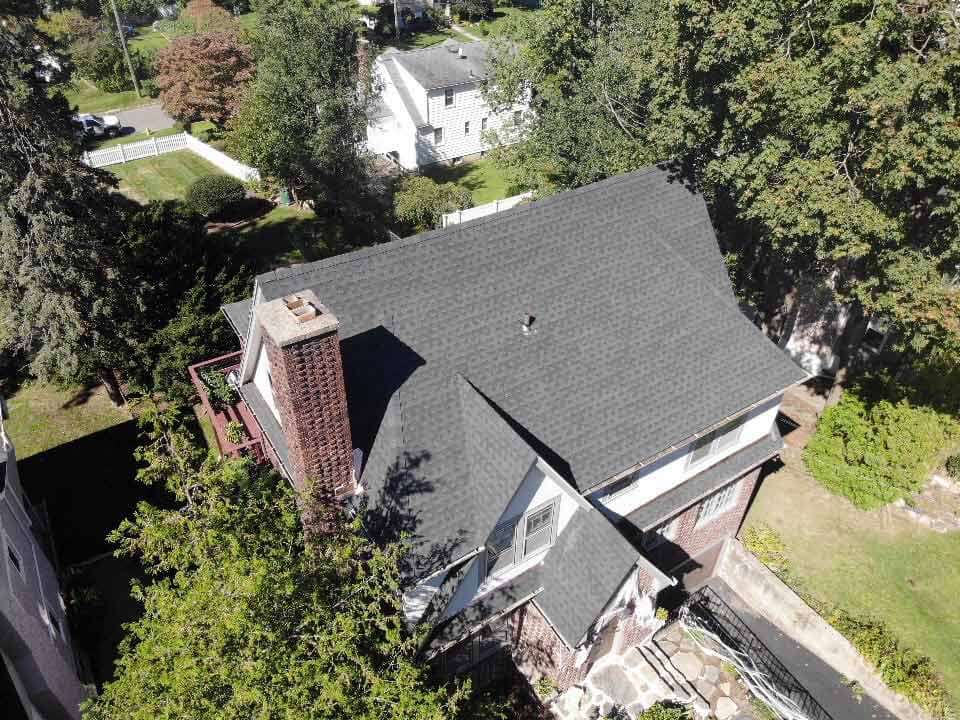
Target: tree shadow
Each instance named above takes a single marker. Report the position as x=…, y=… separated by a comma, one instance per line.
x=81, y=397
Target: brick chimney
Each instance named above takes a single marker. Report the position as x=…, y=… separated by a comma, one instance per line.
x=303, y=348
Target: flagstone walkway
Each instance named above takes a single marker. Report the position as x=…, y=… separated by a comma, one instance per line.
x=671, y=668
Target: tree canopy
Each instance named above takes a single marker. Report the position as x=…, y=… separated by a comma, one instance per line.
x=420, y=202
x=823, y=135
x=244, y=618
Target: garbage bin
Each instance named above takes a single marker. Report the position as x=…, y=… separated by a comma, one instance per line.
x=285, y=198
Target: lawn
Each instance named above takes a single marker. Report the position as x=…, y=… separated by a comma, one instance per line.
x=481, y=177
x=165, y=177
x=199, y=130
x=148, y=40
x=283, y=236
x=85, y=96
x=43, y=416
x=503, y=17
x=869, y=562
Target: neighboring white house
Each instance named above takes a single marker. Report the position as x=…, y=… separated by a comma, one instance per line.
x=431, y=107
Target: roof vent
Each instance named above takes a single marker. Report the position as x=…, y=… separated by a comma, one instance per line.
x=301, y=309
x=526, y=325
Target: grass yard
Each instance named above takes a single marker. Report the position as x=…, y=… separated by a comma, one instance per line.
x=43, y=416
x=165, y=177
x=869, y=563
x=481, y=177
x=284, y=236
x=199, y=130
x=503, y=17
x=85, y=96
x=148, y=40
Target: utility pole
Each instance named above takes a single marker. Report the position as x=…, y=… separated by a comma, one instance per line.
x=123, y=44
x=396, y=20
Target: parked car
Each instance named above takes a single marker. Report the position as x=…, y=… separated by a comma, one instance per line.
x=92, y=126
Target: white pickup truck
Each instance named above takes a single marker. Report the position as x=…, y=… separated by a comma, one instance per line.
x=90, y=126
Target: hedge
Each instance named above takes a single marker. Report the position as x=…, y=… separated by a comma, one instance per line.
x=210, y=195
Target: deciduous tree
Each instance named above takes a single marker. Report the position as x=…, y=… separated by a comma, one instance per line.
x=421, y=201
x=204, y=76
x=243, y=618
x=824, y=136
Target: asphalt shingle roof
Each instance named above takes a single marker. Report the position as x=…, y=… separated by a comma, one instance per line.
x=441, y=65
x=638, y=344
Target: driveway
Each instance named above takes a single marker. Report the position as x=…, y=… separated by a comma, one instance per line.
x=140, y=119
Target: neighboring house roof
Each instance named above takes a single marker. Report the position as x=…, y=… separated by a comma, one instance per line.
x=409, y=104
x=445, y=64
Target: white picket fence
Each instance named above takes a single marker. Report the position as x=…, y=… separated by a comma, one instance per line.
x=151, y=147
x=461, y=216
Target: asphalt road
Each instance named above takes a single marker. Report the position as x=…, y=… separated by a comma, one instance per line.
x=140, y=119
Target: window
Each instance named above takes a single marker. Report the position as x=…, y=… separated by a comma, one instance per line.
x=438, y=136
x=517, y=117
x=539, y=530
x=448, y=97
x=621, y=485
x=14, y=557
x=519, y=538
x=723, y=438
x=466, y=128
x=717, y=503
x=662, y=533
x=483, y=124
x=500, y=546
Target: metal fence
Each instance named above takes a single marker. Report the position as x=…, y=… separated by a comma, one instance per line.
x=715, y=615
x=151, y=147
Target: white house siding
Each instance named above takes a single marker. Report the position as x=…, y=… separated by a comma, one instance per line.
x=468, y=106
x=671, y=470
x=261, y=379
x=536, y=489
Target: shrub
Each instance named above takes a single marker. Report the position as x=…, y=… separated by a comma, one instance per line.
x=662, y=614
x=663, y=711
x=545, y=687
x=420, y=201
x=218, y=389
x=902, y=669
x=212, y=194
x=875, y=445
x=235, y=432
x=766, y=544
x=953, y=466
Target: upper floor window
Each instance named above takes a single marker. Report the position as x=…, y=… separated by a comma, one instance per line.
x=718, y=503
x=438, y=136
x=517, y=117
x=522, y=537
x=483, y=123
x=466, y=128
x=448, y=97
x=716, y=442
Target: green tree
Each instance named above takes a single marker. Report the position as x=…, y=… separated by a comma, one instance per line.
x=304, y=120
x=419, y=201
x=823, y=135
x=59, y=227
x=244, y=618
x=100, y=60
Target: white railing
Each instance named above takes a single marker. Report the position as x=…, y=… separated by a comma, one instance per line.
x=151, y=147
x=461, y=216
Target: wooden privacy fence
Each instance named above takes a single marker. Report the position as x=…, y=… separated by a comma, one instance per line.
x=151, y=147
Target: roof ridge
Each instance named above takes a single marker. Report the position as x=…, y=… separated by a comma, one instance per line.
x=451, y=231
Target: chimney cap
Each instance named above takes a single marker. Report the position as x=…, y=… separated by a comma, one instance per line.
x=295, y=318
x=526, y=325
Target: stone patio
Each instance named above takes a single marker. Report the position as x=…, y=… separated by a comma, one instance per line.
x=670, y=668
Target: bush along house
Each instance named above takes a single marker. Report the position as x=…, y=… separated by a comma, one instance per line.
x=561, y=406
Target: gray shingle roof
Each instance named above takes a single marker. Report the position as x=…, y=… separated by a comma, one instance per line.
x=440, y=65
x=638, y=345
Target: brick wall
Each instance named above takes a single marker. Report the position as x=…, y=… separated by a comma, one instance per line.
x=308, y=387
x=539, y=651
x=691, y=540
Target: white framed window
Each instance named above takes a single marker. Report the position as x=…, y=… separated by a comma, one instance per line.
x=14, y=558
x=713, y=443
x=618, y=487
x=517, y=117
x=483, y=124
x=662, y=533
x=438, y=136
x=448, y=97
x=521, y=537
x=466, y=128
x=718, y=503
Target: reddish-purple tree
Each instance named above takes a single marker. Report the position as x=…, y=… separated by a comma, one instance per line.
x=203, y=76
